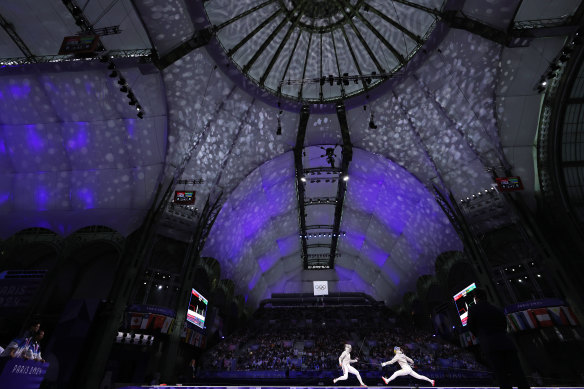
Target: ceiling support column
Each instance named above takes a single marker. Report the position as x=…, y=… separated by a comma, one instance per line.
x=342, y=183
x=303, y=122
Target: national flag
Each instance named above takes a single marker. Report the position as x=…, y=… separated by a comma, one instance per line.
x=529, y=319
x=145, y=321
x=135, y=321
x=557, y=316
x=520, y=321
x=570, y=316
x=166, y=325
x=511, y=323
x=158, y=322
x=542, y=316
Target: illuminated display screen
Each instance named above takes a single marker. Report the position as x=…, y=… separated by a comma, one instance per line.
x=197, y=309
x=184, y=197
x=509, y=184
x=463, y=300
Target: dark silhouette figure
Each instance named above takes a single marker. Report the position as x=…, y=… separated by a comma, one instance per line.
x=489, y=325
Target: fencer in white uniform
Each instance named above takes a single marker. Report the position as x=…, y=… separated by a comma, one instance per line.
x=404, y=362
x=345, y=362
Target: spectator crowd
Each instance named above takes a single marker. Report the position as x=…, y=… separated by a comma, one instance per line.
x=312, y=338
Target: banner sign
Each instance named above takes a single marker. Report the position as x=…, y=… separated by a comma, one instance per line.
x=17, y=293
x=22, y=374
x=320, y=288
x=151, y=309
x=549, y=302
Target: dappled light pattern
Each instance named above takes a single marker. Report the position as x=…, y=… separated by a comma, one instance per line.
x=255, y=237
x=395, y=230
x=439, y=123
x=168, y=22
x=217, y=131
x=73, y=153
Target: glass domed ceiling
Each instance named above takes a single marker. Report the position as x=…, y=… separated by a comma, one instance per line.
x=321, y=50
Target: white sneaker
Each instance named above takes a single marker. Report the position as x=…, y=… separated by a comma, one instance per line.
x=385, y=380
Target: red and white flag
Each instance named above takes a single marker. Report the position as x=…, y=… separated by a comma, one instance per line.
x=135, y=321
x=543, y=317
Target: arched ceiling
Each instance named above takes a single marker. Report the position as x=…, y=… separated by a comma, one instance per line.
x=72, y=152
x=394, y=230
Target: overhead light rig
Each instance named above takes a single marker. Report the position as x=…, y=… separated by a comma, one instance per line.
x=111, y=30
x=345, y=79
x=143, y=55
x=195, y=181
x=320, y=201
x=558, y=64
x=122, y=82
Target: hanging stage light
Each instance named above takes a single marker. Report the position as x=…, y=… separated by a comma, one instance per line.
x=372, y=122
x=113, y=74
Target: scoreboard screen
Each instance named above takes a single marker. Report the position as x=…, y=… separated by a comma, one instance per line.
x=509, y=184
x=184, y=197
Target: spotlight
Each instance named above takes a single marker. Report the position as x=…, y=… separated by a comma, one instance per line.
x=138, y=107
x=111, y=66
x=279, y=129
x=113, y=74
x=132, y=101
x=103, y=59
x=345, y=79
x=122, y=81
x=141, y=114
x=330, y=79
x=124, y=89
x=303, y=179
x=346, y=178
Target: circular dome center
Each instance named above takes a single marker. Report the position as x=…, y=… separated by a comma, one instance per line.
x=318, y=9
x=318, y=51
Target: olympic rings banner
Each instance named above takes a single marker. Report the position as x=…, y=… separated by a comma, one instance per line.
x=320, y=288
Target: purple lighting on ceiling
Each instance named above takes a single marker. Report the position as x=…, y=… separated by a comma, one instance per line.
x=34, y=139
x=4, y=197
x=351, y=281
x=266, y=262
x=86, y=196
x=131, y=127
x=253, y=282
x=79, y=138
x=19, y=91
x=42, y=198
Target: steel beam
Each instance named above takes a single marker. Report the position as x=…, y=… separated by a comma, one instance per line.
x=303, y=122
